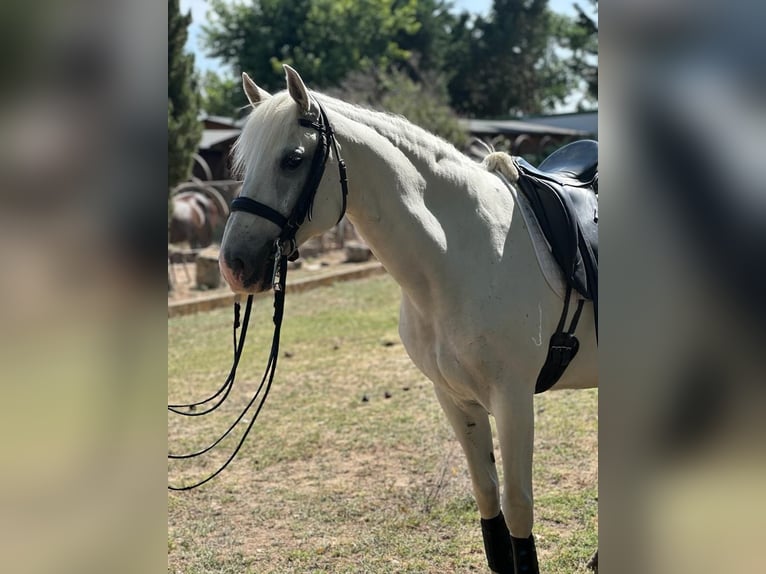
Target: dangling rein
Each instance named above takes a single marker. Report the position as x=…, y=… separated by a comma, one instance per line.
x=218, y=398
x=289, y=226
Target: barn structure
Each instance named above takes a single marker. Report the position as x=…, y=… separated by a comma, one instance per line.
x=534, y=137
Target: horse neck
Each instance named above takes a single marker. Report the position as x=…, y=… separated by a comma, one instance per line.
x=399, y=191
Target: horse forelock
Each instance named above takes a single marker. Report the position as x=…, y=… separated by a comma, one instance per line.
x=268, y=123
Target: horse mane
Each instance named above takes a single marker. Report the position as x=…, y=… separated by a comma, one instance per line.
x=280, y=111
x=397, y=129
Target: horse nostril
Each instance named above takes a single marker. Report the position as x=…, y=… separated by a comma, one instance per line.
x=235, y=262
x=237, y=265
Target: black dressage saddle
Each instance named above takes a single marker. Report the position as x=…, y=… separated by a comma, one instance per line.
x=563, y=193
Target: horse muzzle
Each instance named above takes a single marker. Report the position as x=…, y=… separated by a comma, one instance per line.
x=246, y=271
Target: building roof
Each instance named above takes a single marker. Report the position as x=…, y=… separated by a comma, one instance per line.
x=516, y=127
x=219, y=129
x=214, y=137
x=221, y=122
x=582, y=121
x=579, y=124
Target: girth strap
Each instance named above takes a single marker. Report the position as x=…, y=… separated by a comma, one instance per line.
x=562, y=347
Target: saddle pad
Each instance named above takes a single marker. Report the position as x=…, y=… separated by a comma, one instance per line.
x=548, y=265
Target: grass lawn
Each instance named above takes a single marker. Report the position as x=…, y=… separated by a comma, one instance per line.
x=329, y=482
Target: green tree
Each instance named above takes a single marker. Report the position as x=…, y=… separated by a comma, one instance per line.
x=430, y=45
x=184, y=127
x=507, y=63
x=223, y=96
x=424, y=103
x=324, y=40
x=581, y=38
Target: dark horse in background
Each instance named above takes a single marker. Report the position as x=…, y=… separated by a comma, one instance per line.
x=198, y=214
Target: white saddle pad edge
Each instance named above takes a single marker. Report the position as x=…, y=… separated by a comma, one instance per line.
x=548, y=266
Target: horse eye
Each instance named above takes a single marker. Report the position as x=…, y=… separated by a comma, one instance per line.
x=293, y=159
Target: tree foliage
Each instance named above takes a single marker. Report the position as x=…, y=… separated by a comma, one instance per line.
x=324, y=39
x=223, y=96
x=424, y=103
x=428, y=46
x=582, y=40
x=184, y=127
x=506, y=64
x=509, y=63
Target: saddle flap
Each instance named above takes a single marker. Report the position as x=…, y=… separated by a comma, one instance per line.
x=568, y=216
x=555, y=221
x=565, y=208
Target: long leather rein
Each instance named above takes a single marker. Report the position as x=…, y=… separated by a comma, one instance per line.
x=284, y=249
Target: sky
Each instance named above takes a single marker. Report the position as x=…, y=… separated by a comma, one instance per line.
x=199, y=9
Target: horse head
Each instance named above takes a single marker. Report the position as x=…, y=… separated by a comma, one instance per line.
x=285, y=197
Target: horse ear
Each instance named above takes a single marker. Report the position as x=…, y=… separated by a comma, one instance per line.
x=297, y=89
x=254, y=94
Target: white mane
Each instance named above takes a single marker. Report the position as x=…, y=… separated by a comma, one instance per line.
x=272, y=119
x=397, y=129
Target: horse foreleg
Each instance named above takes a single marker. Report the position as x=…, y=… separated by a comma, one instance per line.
x=514, y=414
x=471, y=425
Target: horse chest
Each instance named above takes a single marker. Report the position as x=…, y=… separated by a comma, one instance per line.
x=465, y=370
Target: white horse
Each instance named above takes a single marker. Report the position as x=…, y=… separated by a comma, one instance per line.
x=476, y=310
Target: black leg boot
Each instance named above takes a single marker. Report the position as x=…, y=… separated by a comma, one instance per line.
x=525, y=555
x=497, y=544
x=593, y=563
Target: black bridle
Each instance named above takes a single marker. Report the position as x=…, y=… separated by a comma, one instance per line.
x=304, y=206
x=285, y=249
